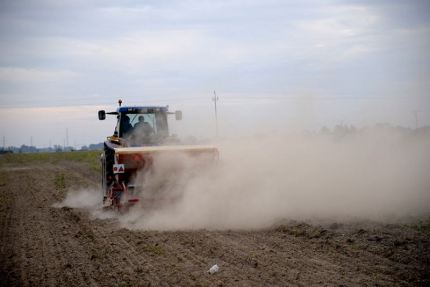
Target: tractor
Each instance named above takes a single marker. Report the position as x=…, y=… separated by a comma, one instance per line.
x=141, y=134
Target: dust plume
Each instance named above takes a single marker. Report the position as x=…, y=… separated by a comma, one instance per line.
x=82, y=198
x=89, y=199
x=376, y=174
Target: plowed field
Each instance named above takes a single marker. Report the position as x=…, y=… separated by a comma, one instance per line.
x=42, y=245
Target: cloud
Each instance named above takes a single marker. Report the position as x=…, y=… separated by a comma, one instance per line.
x=341, y=33
x=93, y=52
x=32, y=75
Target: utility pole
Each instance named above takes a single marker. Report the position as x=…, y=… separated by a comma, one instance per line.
x=416, y=118
x=67, y=137
x=4, y=143
x=215, y=99
x=31, y=140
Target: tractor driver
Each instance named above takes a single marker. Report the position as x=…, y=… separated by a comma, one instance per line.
x=142, y=132
x=126, y=127
x=143, y=127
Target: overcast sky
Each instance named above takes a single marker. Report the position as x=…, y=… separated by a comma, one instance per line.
x=310, y=63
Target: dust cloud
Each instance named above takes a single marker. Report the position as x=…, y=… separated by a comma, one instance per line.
x=374, y=174
x=82, y=198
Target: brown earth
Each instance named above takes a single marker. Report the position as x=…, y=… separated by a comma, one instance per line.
x=46, y=246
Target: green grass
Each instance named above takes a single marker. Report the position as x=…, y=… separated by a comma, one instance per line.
x=92, y=158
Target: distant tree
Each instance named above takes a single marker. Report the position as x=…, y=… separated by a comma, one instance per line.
x=58, y=148
x=27, y=149
x=98, y=146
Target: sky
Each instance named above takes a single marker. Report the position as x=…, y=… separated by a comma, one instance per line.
x=274, y=64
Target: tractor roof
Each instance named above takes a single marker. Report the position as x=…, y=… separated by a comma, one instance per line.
x=142, y=109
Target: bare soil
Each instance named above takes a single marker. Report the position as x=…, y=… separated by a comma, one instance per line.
x=46, y=246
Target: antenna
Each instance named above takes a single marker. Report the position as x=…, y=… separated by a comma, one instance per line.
x=215, y=99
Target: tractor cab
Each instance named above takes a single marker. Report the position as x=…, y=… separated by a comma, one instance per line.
x=140, y=126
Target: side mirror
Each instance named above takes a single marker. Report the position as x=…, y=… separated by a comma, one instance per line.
x=102, y=115
x=178, y=115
